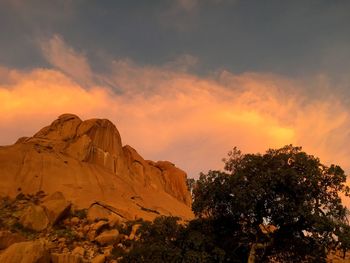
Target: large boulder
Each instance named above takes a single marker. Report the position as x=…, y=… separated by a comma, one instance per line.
x=108, y=237
x=97, y=212
x=133, y=232
x=101, y=211
x=34, y=218
x=26, y=252
x=56, y=207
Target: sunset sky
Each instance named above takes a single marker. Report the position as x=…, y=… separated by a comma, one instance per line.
x=183, y=80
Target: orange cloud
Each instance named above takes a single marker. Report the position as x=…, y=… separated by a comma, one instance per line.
x=189, y=120
x=170, y=114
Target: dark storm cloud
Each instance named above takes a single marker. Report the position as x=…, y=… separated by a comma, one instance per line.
x=287, y=37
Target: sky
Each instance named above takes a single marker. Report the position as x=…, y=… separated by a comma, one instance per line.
x=183, y=80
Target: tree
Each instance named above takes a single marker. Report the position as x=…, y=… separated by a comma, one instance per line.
x=156, y=243
x=165, y=240
x=285, y=204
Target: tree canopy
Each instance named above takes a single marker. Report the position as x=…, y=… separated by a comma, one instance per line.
x=285, y=204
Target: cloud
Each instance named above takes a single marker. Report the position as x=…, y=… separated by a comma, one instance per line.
x=65, y=58
x=183, y=15
x=187, y=5
x=184, y=62
x=168, y=113
x=191, y=5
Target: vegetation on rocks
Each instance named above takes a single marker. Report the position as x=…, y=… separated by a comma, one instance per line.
x=72, y=238
x=281, y=206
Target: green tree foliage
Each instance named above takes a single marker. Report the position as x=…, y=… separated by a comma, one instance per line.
x=165, y=240
x=284, y=188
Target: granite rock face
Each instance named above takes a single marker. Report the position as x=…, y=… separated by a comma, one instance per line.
x=86, y=161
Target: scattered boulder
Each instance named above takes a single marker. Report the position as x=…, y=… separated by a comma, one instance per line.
x=8, y=238
x=114, y=220
x=134, y=229
x=107, y=251
x=34, y=218
x=99, y=226
x=56, y=207
x=108, y=237
x=96, y=229
x=74, y=221
x=97, y=212
x=78, y=251
x=26, y=252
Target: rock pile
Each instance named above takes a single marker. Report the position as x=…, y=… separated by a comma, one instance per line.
x=42, y=229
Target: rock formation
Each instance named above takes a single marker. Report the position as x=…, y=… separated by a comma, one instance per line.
x=85, y=160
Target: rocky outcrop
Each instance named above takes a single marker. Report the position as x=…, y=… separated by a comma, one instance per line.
x=95, y=141
x=174, y=181
x=85, y=160
x=160, y=175
x=72, y=239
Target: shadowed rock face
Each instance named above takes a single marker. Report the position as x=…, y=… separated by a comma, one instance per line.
x=87, y=162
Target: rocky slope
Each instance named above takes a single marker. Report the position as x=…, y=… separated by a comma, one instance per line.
x=38, y=228
x=85, y=160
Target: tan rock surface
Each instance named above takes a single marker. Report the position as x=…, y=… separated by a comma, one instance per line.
x=108, y=237
x=97, y=212
x=26, y=252
x=85, y=161
x=56, y=207
x=78, y=251
x=99, y=259
x=8, y=238
x=66, y=258
x=134, y=229
x=159, y=175
x=34, y=218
